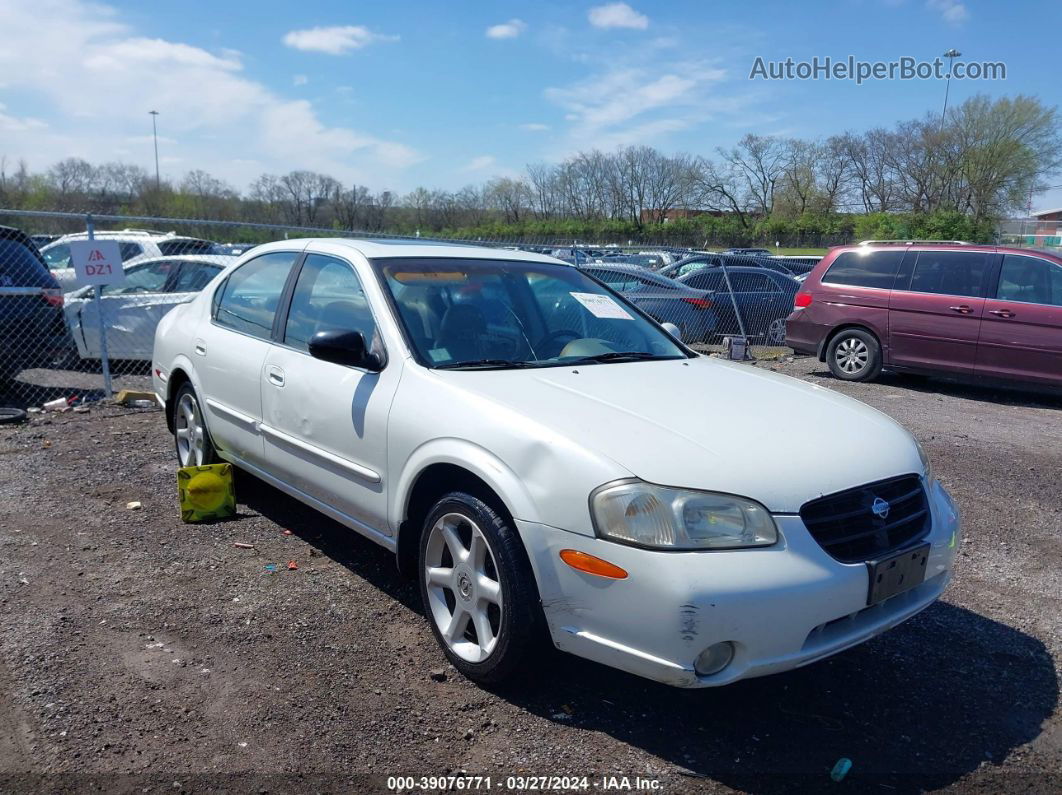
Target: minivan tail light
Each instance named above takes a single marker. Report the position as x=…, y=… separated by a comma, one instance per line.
x=53, y=297
x=802, y=300
x=699, y=303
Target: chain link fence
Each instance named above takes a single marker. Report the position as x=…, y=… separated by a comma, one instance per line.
x=62, y=341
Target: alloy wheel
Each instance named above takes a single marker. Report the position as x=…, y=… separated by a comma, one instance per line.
x=776, y=332
x=191, y=435
x=852, y=355
x=464, y=587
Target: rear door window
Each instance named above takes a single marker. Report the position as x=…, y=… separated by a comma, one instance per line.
x=865, y=269
x=248, y=299
x=130, y=250
x=707, y=281
x=1030, y=280
x=19, y=267
x=950, y=273
x=751, y=283
x=194, y=276
x=151, y=277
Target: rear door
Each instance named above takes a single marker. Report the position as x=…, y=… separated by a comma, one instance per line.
x=229, y=352
x=1021, y=331
x=935, y=311
x=757, y=296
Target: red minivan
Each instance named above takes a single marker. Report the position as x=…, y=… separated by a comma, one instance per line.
x=933, y=307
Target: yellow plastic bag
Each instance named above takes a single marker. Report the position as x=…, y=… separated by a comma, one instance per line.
x=206, y=492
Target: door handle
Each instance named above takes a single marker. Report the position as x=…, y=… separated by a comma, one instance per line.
x=962, y=309
x=275, y=375
x=200, y=347
x=1001, y=312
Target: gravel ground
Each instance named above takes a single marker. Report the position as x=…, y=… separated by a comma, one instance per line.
x=139, y=652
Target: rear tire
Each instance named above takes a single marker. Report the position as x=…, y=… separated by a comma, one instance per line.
x=854, y=355
x=190, y=434
x=478, y=590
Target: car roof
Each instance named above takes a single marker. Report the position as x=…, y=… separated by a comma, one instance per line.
x=736, y=269
x=221, y=260
x=380, y=249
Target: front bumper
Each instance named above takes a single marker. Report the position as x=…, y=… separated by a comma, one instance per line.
x=782, y=607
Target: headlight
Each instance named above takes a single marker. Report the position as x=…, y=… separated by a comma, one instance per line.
x=640, y=513
x=927, y=465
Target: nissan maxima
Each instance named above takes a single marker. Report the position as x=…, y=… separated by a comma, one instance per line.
x=550, y=463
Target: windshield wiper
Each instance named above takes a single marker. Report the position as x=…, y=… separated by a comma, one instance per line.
x=483, y=364
x=622, y=356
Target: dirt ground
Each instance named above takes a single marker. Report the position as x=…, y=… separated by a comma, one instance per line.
x=138, y=653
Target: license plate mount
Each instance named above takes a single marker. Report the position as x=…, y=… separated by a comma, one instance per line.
x=897, y=573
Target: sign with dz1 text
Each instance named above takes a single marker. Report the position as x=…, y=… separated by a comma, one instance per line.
x=97, y=261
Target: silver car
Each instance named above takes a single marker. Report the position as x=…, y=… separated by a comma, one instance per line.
x=132, y=309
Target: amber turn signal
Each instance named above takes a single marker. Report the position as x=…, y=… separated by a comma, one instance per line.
x=591, y=565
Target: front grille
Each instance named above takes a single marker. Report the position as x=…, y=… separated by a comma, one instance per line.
x=846, y=526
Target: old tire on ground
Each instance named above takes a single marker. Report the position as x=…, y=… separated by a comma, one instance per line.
x=11, y=416
x=854, y=355
x=190, y=434
x=478, y=590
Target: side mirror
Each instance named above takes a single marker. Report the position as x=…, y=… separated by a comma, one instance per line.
x=341, y=346
x=673, y=330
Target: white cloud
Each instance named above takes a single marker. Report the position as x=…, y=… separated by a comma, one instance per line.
x=507, y=30
x=534, y=127
x=952, y=11
x=16, y=125
x=617, y=15
x=94, y=80
x=624, y=104
x=481, y=163
x=300, y=80
x=337, y=40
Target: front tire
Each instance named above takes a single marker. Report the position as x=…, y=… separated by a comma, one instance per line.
x=192, y=439
x=854, y=355
x=477, y=588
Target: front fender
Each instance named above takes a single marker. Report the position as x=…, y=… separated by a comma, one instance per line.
x=471, y=457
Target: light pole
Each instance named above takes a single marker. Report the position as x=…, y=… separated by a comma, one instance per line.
x=951, y=55
x=155, y=135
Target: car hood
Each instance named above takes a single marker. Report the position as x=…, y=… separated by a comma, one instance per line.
x=708, y=424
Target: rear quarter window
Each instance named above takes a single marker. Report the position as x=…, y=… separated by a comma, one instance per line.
x=864, y=269
x=21, y=267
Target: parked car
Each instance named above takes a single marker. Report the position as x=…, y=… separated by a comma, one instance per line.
x=763, y=297
x=582, y=477
x=133, y=308
x=31, y=315
x=797, y=264
x=136, y=245
x=663, y=299
x=42, y=240
x=947, y=308
x=690, y=264
x=231, y=249
x=698, y=261
x=747, y=252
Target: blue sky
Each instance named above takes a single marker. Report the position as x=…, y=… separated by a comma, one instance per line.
x=400, y=94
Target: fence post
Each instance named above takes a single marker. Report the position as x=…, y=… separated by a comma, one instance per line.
x=104, y=363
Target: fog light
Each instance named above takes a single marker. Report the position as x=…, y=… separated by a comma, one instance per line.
x=714, y=659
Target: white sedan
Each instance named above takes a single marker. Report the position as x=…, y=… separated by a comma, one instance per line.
x=543, y=456
x=133, y=308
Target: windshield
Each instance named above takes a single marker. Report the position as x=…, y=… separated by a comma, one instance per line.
x=465, y=313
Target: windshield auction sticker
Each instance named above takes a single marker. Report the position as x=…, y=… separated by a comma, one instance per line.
x=601, y=306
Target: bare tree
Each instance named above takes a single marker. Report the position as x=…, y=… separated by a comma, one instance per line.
x=760, y=161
